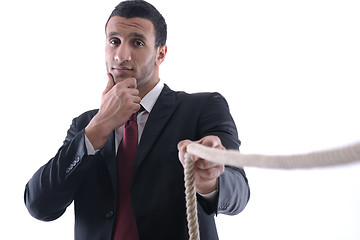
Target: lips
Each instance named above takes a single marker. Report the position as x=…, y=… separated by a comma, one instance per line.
x=121, y=68
x=122, y=71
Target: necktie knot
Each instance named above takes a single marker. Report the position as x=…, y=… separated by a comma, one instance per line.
x=132, y=121
x=133, y=117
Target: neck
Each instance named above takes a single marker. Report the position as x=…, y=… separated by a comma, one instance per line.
x=146, y=89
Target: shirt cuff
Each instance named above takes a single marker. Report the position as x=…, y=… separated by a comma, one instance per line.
x=210, y=196
x=89, y=147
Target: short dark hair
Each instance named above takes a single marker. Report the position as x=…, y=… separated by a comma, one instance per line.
x=143, y=9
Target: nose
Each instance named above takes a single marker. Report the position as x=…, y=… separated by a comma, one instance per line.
x=122, y=54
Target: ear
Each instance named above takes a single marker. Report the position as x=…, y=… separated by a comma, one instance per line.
x=161, y=54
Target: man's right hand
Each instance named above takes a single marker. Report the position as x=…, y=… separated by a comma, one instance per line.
x=118, y=102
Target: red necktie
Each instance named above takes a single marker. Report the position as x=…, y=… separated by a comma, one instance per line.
x=125, y=228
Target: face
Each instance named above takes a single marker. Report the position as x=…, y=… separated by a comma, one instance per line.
x=130, y=51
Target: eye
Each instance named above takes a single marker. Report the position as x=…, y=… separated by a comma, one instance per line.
x=139, y=43
x=115, y=41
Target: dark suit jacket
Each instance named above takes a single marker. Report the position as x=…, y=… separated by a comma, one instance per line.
x=157, y=190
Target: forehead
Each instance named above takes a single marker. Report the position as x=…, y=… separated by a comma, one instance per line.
x=126, y=26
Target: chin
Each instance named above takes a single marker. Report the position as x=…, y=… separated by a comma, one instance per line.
x=120, y=78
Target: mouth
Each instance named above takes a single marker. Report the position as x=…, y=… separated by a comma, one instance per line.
x=121, y=69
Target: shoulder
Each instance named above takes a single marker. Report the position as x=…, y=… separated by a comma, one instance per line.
x=210, y=111
x=198, y=98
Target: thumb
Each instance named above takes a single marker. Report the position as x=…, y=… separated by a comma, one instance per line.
x=182, y=149
x=182, y=145
x=110, y=83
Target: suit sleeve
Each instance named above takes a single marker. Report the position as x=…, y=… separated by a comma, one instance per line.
x=234, y=191
x=52, y=188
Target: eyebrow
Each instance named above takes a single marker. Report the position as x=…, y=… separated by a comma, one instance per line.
x=133, y=34
x=112, y=34
x=138, y=35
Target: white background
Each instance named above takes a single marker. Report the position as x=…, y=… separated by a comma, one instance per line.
x=289, y=70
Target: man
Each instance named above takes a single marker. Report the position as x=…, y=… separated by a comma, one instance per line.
x=88, y=171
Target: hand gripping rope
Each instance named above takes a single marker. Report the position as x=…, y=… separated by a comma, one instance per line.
x=331, y=157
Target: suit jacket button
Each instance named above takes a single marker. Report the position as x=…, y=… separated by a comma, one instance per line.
x=109, y=214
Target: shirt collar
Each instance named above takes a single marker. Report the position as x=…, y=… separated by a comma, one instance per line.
x=150, y=98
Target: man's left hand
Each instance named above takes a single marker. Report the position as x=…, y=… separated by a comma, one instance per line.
x=206, y=173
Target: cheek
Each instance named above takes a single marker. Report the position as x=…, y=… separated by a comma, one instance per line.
x=108, y=59
x=108, y=53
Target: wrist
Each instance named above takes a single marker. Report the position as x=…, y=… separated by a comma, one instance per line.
x=97, y=134
x=207, y=187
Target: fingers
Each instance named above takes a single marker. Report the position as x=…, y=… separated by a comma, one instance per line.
x=204, y=164
x=129, y=86
x=126, y=88
x=182, y=149
x=206, y=173
x=182, y=145
x=211, y=141
x=206, y=176
x=119, y=101
x=130, y=83
x=209, y=170
x=127, y=83
x=201, y=164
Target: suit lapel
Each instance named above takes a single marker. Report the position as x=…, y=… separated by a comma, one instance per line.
x=158, y=117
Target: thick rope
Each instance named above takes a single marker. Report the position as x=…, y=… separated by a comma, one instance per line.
x=331, y=157
x=191, y=203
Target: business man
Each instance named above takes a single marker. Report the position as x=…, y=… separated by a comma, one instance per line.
x=115, y=198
